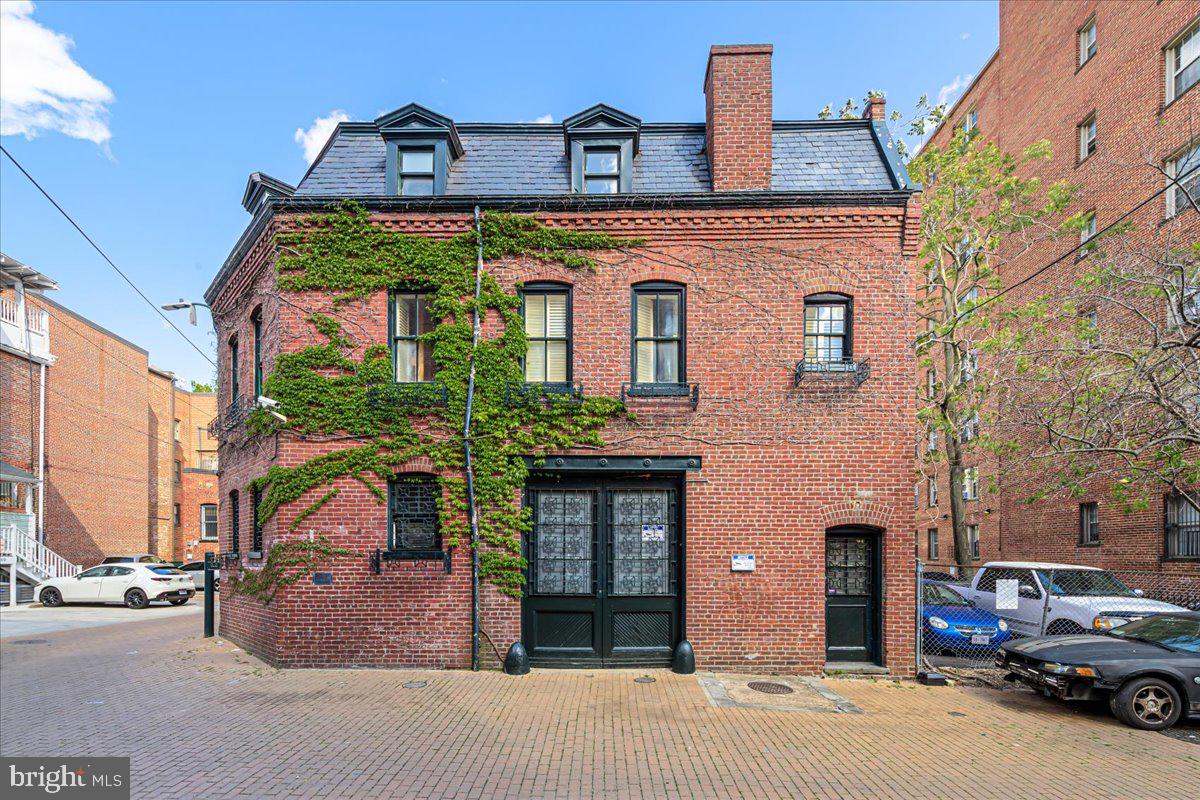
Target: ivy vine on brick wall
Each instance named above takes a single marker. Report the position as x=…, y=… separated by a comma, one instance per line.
x=325, y=391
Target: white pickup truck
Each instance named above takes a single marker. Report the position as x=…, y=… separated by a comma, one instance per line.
x=1080, y=599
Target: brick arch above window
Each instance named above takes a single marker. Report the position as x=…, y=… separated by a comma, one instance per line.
x=875, y=515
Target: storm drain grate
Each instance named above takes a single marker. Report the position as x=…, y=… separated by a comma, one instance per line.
x=415, y=684
x=31, y=641
x=768, y=687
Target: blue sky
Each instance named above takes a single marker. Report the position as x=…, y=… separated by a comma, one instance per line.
x=146, y=127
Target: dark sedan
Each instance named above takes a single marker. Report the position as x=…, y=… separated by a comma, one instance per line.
x=1148, y=670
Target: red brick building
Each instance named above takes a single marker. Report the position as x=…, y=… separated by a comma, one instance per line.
x=1113, y=87
x=767, y=475
x=100, y=448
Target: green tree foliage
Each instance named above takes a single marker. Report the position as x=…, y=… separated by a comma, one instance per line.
x=978, y=212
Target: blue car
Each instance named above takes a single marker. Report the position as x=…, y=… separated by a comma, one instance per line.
x=951, y=625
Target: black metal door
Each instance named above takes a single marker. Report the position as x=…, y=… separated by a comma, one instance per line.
x=851, y=597
x=604, y=566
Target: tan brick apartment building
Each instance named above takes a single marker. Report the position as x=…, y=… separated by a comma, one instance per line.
x=1112, y=86
x=790, y=451
x=103, y=453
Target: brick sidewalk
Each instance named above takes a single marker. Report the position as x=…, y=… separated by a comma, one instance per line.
x=245, y=730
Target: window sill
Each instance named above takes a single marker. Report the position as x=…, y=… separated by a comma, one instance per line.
x=687, y=391
x=1088, y=544
x=255, y=555
x=658, y=390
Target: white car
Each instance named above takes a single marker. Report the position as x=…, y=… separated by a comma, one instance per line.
x=1080, y=599
x=135, y=585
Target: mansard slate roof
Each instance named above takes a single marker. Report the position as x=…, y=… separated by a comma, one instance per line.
x=498, y=159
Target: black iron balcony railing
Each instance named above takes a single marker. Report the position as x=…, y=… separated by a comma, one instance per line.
x=230, y=417
x=430, y=557
x=688, y=392
x=427, y=394
x=517, y=394
x=844, y=368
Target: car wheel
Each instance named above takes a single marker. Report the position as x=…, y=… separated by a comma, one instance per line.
x=136, y=598
x=51, y=598
x=1151, y=704
x=179, y=602
x=1064, y=627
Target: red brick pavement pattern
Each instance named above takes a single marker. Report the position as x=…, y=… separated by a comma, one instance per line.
x=202, y=719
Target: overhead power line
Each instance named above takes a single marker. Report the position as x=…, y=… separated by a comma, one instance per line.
x=104, y=255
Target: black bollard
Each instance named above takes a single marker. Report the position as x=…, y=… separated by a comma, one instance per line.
x=517, y=660
x=684, y=662
x=210, y=599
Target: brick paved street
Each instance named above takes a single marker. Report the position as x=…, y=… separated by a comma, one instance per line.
x=201, y=719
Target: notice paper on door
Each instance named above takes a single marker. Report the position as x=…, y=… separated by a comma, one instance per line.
x=1006, y=593
x=654, y=533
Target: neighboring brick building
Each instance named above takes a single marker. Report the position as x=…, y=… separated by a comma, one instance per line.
x=1112, y=86
x=806, y=470
x=113, y=470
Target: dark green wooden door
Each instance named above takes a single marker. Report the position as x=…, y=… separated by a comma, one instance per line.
x=604, y=566
x=851, y=597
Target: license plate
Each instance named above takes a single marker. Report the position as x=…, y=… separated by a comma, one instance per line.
x=182, y=591
x=980, y=638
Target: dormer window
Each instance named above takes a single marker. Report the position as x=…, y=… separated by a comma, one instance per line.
x=416, y=176
x=601, y=170
x=601, y=144
x=421, y=146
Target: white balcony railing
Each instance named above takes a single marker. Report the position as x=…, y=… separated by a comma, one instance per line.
x=31, y=335
x=8, y=310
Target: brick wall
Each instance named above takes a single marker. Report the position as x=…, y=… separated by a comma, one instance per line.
x=197, y=452
x=19, y=390
x=161, y=481
x=1034, y=88
x=781, y=464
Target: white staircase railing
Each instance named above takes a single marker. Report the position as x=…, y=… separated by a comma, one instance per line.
x=34, y=557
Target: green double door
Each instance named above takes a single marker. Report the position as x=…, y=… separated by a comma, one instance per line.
x=605, y=559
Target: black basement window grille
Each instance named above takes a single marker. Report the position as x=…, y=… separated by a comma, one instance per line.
x=413, y=514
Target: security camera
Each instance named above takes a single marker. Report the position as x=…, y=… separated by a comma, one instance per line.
x=266, y=402
x=277, y=415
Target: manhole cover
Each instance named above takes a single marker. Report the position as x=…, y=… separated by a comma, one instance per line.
x=644, y=679
x=415, y=684
x=31, y=641
x=768, y=687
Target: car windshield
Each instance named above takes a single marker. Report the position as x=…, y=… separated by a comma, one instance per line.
x=937, y=595
x=1084, y=583
x=1177, y=633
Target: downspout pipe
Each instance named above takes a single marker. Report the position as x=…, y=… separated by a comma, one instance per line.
x=41, y=485
x=472, y=516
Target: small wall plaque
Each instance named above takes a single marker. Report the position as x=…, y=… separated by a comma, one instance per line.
x=742, y=563
x=322, y=579
x=654, y=533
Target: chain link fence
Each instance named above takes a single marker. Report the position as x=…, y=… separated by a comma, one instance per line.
x=964, y=614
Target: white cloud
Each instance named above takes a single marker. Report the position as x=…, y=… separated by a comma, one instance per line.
x=950, y=91
x=544, y=119
x=313, y=139
x=964, y=36
x=41, y=87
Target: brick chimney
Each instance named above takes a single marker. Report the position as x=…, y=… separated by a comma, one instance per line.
x=876, y=109
x=737, y=116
